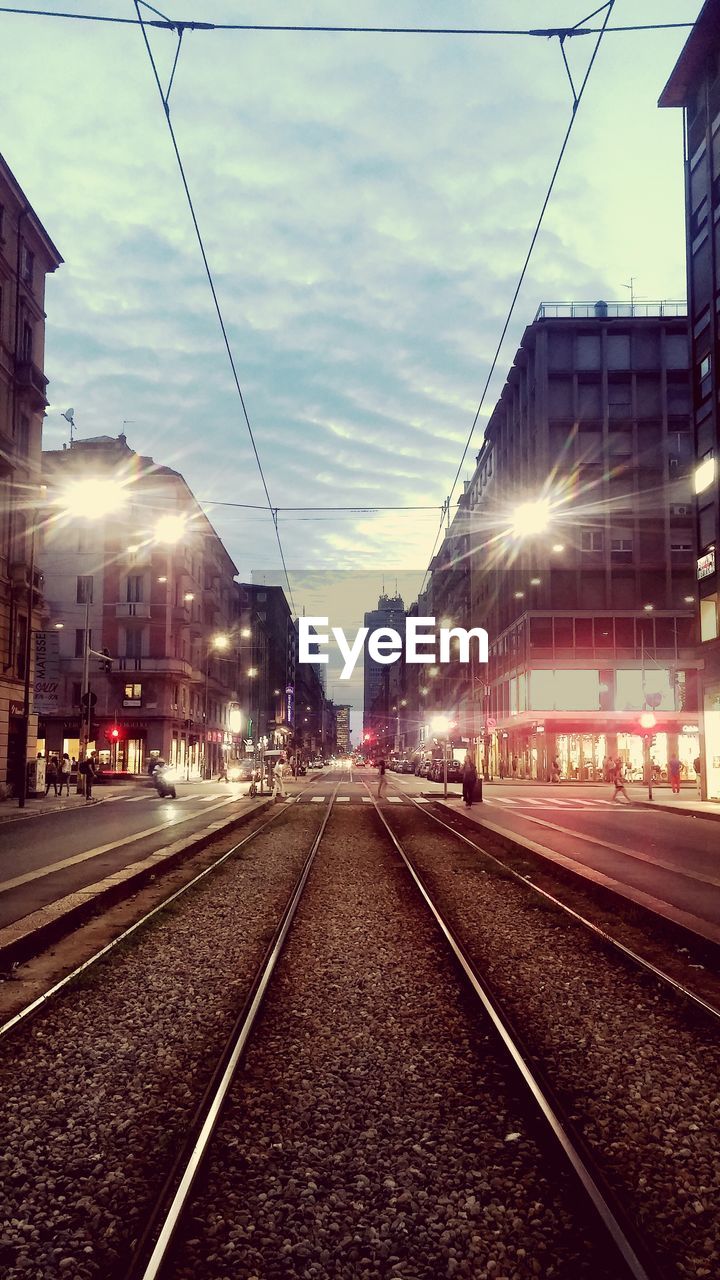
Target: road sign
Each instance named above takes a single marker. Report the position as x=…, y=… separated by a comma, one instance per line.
x=490, y=724
x=88, y=700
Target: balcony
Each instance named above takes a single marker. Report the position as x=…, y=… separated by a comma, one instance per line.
x=132, y=609
x=32, y=381
x=161, y=666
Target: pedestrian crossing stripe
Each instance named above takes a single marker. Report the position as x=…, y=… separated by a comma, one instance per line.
x=317, y=799
x=366, y=799
x=421, y=799
x=395, y=800
x=343, y=799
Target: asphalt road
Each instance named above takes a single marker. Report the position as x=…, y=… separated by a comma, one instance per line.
x=45, y=856
x=667, y=860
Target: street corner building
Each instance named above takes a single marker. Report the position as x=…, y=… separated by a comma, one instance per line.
x=695, y=87
x=27, y=256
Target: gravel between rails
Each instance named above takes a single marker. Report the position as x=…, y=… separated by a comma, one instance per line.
x=98, y=1089
x=640, y=1071
x=373, y=1131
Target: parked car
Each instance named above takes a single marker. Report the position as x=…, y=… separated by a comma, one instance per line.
x=241, y=770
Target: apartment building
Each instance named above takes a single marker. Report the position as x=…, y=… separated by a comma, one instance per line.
x=580, y=516
x=695, y=87
x=137, y=581
x=27, y=257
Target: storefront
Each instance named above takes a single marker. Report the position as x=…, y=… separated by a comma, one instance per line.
x=529, y=751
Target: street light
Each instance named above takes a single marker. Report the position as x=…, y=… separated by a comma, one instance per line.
x=218, y=642
x=170, y=528
x=92, y=497
x=530, y=518
x=440, y=726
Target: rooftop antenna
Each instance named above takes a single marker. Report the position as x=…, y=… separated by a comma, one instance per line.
x=631, y=287
x=68, y=416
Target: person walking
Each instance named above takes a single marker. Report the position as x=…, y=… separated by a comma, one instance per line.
x=382, y=780
x=555, y=770
x=65, y=771
x=469, y=779
x=51, y=775
x=697, y=766
x=278, y=791
x=674, y=774
x=618, y=780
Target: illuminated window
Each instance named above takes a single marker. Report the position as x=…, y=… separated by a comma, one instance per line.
x=705, y=473
x=709, y=618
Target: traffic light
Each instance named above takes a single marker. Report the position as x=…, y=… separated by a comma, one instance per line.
x=113, y=733
x=106, y=661
x=648, y=720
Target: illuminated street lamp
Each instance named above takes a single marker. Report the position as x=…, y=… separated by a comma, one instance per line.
x=170, y=528
x=92, y=497
x=530, y=518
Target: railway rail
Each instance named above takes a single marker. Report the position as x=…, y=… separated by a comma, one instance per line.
x=625, y=1245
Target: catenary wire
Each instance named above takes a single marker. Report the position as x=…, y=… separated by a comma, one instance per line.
x=521, y=278
x=167, y=24
x=215, y=298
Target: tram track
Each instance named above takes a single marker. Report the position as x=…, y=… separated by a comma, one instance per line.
x=628, y=1254
x=630, y=1061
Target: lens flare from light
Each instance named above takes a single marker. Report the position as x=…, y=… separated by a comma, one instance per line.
x=530, y=518
x=92, y=497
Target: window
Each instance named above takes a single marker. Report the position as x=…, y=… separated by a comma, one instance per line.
x=84, y=592
x=587, y=351
x=21, y=645
x=76, y=692
x=134, y=587
x=26, y=347
x=592, y=540
x=708, y=618
x=23, y=435
x=619, y=400
x=677, y=547
x=133, y=643
x=27, y=264
x=621, y=549
x=132, y=695
x=618, y=351
x=80, y=641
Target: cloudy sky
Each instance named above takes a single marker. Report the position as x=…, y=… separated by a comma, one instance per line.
x=366, y=202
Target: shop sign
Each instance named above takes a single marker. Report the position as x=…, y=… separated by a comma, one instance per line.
x=691, y=728
x=706, y=564
x=290, y=696
x=46, y=683
x=16, y=709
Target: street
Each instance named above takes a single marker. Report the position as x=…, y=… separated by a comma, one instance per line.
x=665, y=860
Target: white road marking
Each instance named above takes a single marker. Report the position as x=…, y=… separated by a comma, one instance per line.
x=317, y=799
x=421, y=799
x=366, y=799
x=77, y=858
x=394, y=800
x=342, y=799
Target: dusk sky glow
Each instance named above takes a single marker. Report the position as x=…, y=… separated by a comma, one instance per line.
x=366, y=203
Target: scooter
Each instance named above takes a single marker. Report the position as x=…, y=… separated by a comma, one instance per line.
x=164, y=784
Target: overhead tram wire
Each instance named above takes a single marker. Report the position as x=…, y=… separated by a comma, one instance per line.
x=167, y=24
x=576, y=103
x=216, y=301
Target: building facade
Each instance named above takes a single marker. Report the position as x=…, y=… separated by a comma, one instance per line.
x=580, y=520
x=342, y=725
x=147, y=591
x=381, y=681
x=695, y=87
x=27, y=256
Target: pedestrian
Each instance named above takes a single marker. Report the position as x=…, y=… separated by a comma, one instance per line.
x=618, y=779
x=501, y=769
x=65, y=771
x=469, y=779
x=514, y=766
x=697, y=766
x=674, y=774
x=278, y=791
x=89, y=773
x=555, y=770
x=382, y=780
x=51, y=775
x=223, y=773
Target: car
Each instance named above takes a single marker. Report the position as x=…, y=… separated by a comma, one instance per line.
x=241, y=770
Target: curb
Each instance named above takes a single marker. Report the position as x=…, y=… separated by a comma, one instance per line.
x=666, y=808
x=25, y=938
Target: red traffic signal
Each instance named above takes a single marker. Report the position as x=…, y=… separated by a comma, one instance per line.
x=113, y=733
x=648, y=720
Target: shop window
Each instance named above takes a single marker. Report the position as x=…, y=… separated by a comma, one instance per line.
x=603, y=633
x=709, y=618
x=564, y=633
x=625, y=633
